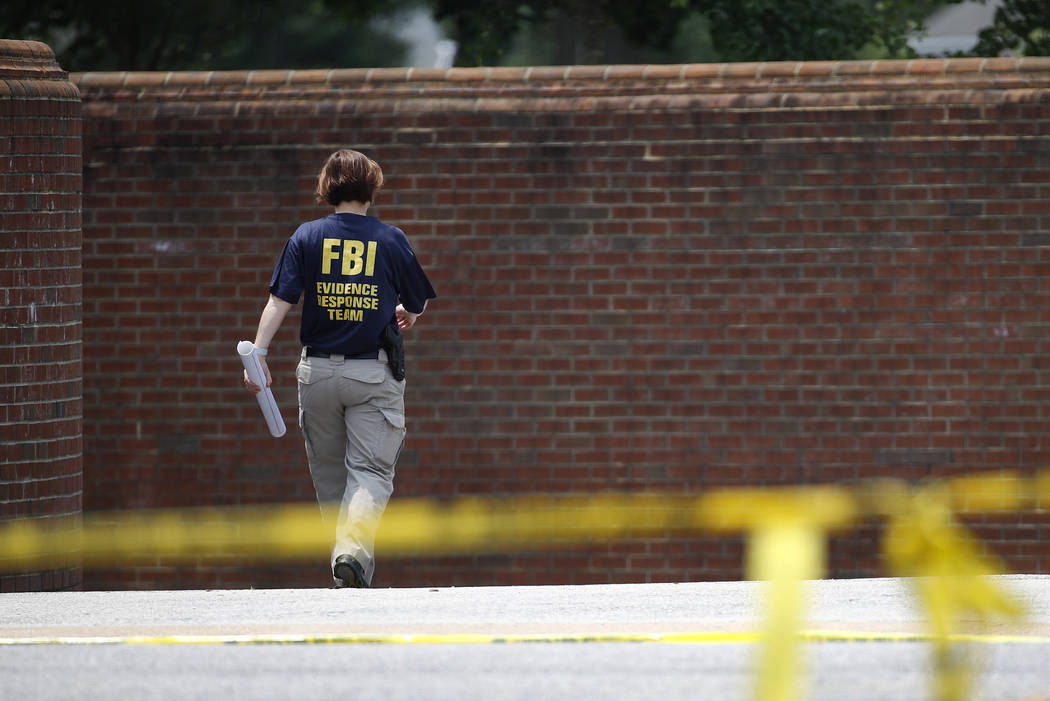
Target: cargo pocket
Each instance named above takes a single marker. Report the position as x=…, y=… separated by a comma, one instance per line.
x=389, y=448
x=308, y=376
x=310, y=452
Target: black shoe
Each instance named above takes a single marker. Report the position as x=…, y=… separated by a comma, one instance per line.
x=348, y=573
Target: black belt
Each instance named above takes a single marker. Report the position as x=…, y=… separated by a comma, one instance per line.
x=367, y=355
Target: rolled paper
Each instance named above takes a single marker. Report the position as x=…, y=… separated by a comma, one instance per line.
x=274, y=421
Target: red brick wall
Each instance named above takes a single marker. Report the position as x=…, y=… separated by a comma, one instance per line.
x=40, y=300
x=664, y=277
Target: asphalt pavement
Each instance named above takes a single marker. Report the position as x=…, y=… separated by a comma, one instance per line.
x=641, y=641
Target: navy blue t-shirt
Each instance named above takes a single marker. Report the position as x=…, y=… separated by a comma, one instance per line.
x=352, y=271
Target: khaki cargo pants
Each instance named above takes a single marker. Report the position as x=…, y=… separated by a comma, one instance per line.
x=352, y=414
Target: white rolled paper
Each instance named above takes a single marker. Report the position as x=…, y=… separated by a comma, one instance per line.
x=274, y=421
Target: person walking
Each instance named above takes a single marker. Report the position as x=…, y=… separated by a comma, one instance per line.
x=361, y=286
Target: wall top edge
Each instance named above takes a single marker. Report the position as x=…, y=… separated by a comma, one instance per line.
x=29, y=60
x=22, y=49
x=1037, y=68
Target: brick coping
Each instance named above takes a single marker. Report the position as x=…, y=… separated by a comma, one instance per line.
x=1034, y=68
x=28, y=60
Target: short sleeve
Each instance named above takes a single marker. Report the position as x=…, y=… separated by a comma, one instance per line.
x=287, y=281
x=414, y=288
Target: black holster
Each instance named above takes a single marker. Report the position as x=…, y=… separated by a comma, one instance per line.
x=394, y=345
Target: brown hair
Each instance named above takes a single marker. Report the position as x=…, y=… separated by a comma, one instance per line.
x=348, y=176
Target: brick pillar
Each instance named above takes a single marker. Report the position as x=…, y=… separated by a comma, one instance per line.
x=41, y=375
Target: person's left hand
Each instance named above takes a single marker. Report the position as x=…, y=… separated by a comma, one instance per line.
x=405, y=318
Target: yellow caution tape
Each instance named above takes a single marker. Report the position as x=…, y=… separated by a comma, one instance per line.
x=1005, y=491
x=483, y=525
x=745, y=509
x=950, y=572
x=787, y=528
x=296, y=531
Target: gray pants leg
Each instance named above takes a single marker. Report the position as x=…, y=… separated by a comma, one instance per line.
x=352, y=414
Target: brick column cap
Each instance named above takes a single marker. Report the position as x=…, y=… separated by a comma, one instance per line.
x=29, y=59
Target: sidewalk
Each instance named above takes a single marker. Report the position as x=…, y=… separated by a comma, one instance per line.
x=849, y=605
x=667, y=641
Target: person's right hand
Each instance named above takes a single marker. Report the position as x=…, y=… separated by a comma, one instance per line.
x=251, y=386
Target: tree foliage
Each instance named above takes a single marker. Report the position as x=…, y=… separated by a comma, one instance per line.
x=228, y=34
x=483, y=30
x=588, y=29
x=1021, y=27
x=781, y=30
x=204, y=34
x=740, y=30
x=124, y=33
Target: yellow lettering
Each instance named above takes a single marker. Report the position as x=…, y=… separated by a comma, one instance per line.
x=337, y=301
x=370, y=267
x=329, y=255
x=354, y=258
x=352, y=261
x=346, y=315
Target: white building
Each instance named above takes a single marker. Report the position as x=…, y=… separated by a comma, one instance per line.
x=955, y=27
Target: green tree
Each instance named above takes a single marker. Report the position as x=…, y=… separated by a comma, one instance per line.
x=484, y=30
x=1021, y=27
x=896, y=21
x=781, y=30
x=204, y=34
x=805, y=30
x=592, y=31
x=224, y=34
